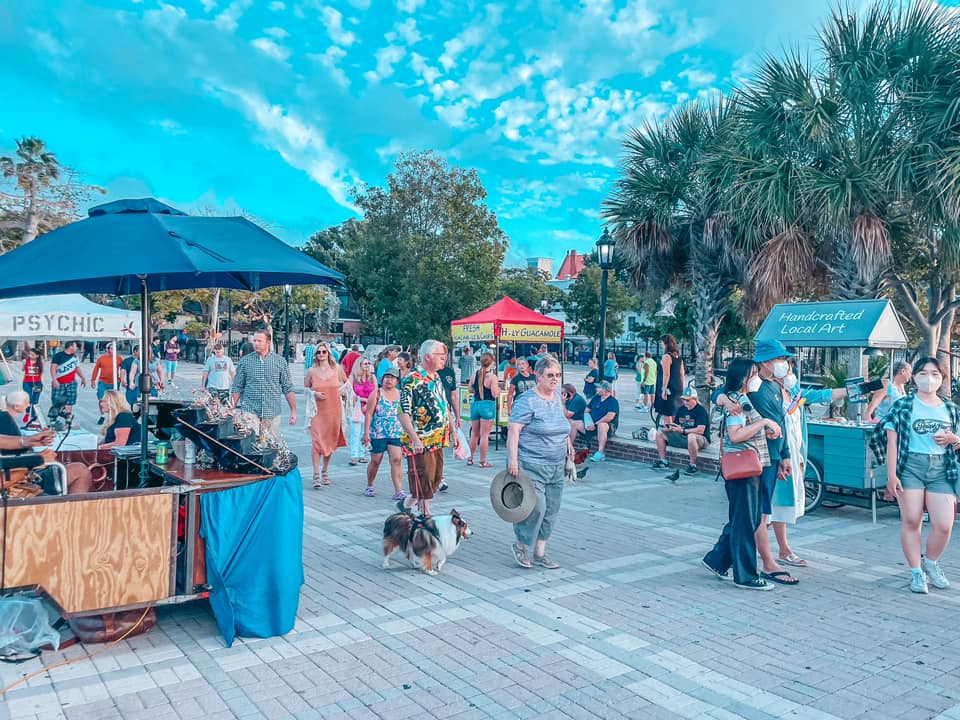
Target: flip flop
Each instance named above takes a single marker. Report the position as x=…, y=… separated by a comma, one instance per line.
x=794, y=560
x=780, y=577
x=485, y=465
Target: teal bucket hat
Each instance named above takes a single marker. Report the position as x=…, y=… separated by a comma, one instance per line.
x=769, y=350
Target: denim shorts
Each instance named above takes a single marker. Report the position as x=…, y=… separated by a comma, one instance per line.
x=483, y=410
x=926, y=472
x=379, y=445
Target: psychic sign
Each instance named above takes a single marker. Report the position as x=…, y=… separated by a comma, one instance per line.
x=66, y=317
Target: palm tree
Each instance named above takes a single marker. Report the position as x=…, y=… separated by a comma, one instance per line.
x=670, y=217
x=34, y=169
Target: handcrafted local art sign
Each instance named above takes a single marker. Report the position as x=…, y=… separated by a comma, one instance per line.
x=856, y=323
x=530, y=333
x=472, y=333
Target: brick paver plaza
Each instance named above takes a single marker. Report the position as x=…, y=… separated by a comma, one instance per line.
x=631, y=626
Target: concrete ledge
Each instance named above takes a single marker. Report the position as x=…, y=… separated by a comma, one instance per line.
x=646, y=452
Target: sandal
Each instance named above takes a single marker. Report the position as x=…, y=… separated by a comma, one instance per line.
x=485, y=465
x=353, y=462
x=793, y=559
x=325, y=479
x=469, y=461
x=363, y=460
x=316, y=481
x=782, y=577
x=370, y=492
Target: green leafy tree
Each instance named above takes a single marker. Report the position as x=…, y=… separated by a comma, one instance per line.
x=45, y=194
x=528, y=286
x=427, y=251
x=581, y=304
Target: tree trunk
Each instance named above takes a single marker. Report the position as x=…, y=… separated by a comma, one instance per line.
x=705, y=346
x=215, y=313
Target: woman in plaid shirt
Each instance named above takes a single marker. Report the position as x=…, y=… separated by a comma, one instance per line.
x=921, y=460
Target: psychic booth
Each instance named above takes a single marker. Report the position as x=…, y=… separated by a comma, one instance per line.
x=841, y=467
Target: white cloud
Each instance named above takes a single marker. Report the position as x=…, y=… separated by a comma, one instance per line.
x=668, y=86
x=228, y=19
x=277, y=33
x=171, y=127
x=406, y=31
x=418, y=63
x=515, y=115
x=333, y=22
x=47, y=44
x=330, y=59
x=386, y=58
x=409, y=6
x=277, y=6
x=455, y=115
x=698, y=78
x=524, y=198
x=633, y=20
x=479, y=34
x=300, y=144
x=208, y=5
x=388, y=152
x=570, y=236
x=271, y=49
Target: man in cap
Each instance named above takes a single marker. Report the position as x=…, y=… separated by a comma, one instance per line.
x=690, y=431
x=604, y=412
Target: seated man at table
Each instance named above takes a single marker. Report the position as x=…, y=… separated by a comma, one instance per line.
x=13, y=442
x=690, y=430
x=604, y=414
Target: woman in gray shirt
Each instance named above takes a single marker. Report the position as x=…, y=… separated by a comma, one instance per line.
x=538, y=442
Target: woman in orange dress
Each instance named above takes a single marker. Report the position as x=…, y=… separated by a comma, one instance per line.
x=323, y=383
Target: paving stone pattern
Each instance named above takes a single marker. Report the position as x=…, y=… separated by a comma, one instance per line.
x=630, y=627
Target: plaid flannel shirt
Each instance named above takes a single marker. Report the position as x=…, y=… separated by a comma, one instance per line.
x=899, y=416
x=262, y=384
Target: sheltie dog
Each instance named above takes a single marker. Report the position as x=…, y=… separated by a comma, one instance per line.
x=427, y=542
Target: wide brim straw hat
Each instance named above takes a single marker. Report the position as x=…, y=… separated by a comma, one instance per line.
x=513, y=498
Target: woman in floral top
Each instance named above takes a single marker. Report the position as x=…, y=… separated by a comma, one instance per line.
x=383, y=432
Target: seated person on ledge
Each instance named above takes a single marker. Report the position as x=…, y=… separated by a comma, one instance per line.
x=120, y=427
x=604, y=414
x=689, y=430
x=574, y=406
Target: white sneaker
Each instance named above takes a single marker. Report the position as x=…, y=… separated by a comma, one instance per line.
x=918, y=583
x=932, y=568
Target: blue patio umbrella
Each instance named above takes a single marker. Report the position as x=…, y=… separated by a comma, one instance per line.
x=140, y=245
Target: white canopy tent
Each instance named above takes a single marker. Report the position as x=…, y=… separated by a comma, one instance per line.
x=52, y=317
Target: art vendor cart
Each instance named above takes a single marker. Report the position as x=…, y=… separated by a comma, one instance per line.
x=840, y=467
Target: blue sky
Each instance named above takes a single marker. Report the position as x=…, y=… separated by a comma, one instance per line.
x=279, y=107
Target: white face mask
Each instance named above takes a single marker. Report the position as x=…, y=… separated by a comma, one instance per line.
x=927, y=384
x=754, y=383
x=790, y=381
x=780, y=369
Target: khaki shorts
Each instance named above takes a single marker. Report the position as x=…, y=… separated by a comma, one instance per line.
x=679, y=440
x=424, y=473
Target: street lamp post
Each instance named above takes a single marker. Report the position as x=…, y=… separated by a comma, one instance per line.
x=286, y=321
x=605, y=258
x=303, y=317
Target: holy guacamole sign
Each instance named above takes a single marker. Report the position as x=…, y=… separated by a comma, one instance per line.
x=858, y=323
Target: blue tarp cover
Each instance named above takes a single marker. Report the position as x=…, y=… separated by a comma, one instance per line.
x=254, y=539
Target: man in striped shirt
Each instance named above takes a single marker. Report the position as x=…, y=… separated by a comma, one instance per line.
x=262, y=381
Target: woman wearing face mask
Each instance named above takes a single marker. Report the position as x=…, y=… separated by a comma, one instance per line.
x=736, y=548
x=788, y=500
x=921, y=446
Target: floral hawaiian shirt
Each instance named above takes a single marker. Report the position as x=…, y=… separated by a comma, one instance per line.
x=423, y=398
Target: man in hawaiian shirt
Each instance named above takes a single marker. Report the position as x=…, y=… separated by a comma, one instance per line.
x=427, y=421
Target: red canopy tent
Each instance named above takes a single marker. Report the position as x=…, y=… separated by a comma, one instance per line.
x=507, y=321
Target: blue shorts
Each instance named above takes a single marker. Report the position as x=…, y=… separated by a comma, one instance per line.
x=483, y=410
x=378, y=446
x=649, y=389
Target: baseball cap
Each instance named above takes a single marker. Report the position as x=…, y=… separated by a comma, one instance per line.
x=689, y=394
x=391, y=371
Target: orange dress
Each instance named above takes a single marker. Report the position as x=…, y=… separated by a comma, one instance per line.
x=326, y=430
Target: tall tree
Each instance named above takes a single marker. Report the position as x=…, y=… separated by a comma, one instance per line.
x=528, y=286
x=46, y=194
x=427, y=251
x=581, y=304
x=672, y=221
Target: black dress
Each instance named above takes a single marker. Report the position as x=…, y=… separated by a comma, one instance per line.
x=668, y=407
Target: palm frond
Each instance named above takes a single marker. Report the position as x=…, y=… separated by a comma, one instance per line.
x=783, y=265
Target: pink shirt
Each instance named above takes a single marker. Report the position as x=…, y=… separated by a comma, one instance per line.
x=364, y=390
